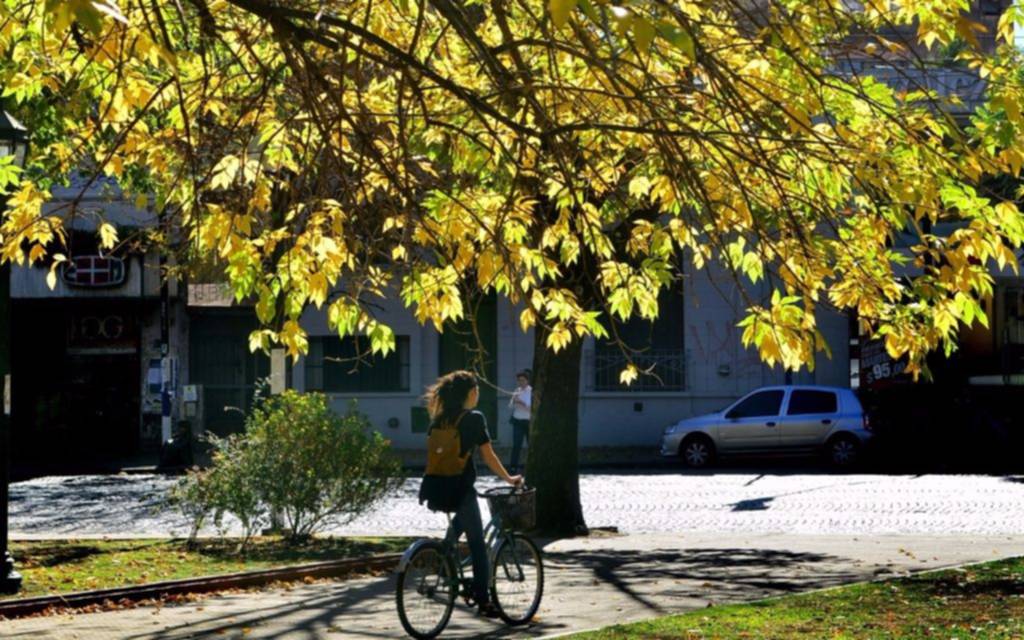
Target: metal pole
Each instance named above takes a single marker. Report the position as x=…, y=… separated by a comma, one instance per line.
x=165, y=349
x=10, y=580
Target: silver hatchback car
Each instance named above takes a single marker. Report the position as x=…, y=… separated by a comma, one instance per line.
x=785, y=419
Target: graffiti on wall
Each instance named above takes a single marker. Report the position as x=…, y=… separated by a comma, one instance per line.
x=718, y=343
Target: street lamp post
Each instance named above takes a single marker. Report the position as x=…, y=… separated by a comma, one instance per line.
x=13, y=142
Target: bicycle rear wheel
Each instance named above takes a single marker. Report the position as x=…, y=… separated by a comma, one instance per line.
x=426, y=590
x=517, y=579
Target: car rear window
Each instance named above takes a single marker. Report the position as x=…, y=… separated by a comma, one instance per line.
x=804, y=401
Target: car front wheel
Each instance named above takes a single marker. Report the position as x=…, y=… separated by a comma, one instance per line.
x=697, y=451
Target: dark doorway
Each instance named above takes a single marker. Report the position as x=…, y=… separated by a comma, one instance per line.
x=460, y=349
x=75, y=386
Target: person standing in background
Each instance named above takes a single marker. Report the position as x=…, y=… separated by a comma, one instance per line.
x=522, y=397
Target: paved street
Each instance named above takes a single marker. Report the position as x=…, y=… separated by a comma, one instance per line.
x=737, y=501
x=590, y=582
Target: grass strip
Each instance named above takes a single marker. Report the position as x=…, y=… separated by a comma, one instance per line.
x=51, y=567
x=979, y=601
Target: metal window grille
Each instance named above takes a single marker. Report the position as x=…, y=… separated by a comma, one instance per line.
x=668, y=367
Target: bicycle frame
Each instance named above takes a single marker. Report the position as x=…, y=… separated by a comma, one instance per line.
x=507, y=551
x=494, y=535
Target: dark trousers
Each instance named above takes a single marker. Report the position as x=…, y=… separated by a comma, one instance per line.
x=467, y=520
x=520, y=432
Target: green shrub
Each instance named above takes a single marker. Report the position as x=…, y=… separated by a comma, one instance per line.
x=316, y=466
x=193, y=496
x=226, y=487
x=297, y=458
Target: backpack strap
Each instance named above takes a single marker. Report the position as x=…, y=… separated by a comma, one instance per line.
x=453, y=425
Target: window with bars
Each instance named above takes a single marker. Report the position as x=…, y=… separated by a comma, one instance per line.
x=344, y=365
x=658, y=347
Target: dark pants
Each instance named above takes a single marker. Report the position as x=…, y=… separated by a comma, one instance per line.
x=467, y=519
x=520, y=432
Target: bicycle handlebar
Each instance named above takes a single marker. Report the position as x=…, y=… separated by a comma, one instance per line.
x=494, y=491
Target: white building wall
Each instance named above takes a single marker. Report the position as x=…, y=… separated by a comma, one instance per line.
x=718, y=368
x=380, y=407
x=712, y=346
x=515, y=353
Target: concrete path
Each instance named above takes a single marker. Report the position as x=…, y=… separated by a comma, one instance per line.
x=590, y=583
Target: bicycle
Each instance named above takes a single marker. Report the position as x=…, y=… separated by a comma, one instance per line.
x=431, y=574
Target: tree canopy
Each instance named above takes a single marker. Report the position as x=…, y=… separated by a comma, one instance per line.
x=571, y=157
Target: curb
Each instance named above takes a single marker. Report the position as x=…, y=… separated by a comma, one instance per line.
x=207, y=584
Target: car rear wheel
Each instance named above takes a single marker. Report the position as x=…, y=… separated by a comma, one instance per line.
x=697, y=451
x=843, y=451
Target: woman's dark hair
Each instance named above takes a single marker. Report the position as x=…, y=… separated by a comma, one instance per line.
x=525, y=373
x=446, y=398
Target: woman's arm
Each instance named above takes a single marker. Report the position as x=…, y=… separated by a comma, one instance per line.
x=494, y=463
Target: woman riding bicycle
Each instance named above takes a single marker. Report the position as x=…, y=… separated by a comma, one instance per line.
x=450, y=403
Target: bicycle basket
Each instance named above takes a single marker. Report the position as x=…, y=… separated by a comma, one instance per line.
x=516, y=508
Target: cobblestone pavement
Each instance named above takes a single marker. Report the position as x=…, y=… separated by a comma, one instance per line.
x=641, y=502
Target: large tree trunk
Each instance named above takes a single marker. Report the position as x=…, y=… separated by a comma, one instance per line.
x=553, y=456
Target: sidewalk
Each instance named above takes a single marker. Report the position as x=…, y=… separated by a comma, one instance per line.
x=590, y=582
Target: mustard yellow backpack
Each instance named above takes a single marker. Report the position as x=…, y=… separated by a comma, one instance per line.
x=442, y=486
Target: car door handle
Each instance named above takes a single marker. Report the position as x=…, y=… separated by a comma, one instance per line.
x=769, y=424
x=827, y=421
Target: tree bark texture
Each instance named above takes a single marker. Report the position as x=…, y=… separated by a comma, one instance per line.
x=553, y=456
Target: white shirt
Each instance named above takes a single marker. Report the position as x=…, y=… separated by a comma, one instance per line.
x=525, y=394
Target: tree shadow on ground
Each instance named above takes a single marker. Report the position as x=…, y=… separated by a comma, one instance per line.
x=651, y=578
x=58, y=554
x=658, y=581
x=957, y=587
x=361, y=609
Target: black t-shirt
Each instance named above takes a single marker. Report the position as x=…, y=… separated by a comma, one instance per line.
x=472, y=434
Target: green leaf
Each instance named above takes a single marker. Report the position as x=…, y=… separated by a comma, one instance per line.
x=678, y=37
x=643, y=33
x=561, y=10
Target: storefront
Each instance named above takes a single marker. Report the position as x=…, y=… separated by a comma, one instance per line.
x=76, y=395
x=86, y=365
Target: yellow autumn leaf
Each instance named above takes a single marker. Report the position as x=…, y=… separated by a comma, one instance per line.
x=108, y=235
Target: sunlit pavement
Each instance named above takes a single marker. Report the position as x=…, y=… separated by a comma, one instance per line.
x=733, y=501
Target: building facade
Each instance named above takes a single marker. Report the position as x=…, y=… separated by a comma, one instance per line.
x=86, y=355
x=88, y=373
x=695, y=347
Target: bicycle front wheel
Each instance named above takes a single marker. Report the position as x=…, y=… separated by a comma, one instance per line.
x=517, y=582
x=426, y=590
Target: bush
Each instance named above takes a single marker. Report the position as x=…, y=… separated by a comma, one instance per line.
x=193, y=496
x=226, y=487
x=297, y=458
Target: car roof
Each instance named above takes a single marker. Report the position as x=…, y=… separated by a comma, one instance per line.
x=809, y=387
